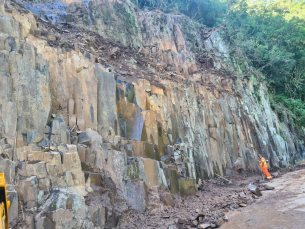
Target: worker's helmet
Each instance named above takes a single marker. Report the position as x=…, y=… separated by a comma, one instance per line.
x=259, y=155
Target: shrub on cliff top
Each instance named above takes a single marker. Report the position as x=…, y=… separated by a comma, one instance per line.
x=208, y=12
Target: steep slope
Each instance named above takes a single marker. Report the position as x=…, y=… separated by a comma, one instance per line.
x=104, y=98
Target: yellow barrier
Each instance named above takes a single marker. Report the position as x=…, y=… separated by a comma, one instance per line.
x=4, y=203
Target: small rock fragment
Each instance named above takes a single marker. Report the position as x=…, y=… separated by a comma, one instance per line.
x=181, y=220
x=276, y=174
x=203, y=226
x=202, y=214
x=254, y=196
x=226, y=218
x=242, y=194
x=268, y=187
x=195, y=223
x=249, y=200
x=221, y=222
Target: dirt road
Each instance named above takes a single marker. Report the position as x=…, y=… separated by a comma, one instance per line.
x=281, y=208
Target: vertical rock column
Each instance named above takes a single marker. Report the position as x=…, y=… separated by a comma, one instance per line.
x=31, y=91
x=106, y=101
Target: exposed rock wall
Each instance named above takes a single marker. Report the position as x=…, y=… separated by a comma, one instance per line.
x=161, y=105
x=234, y=110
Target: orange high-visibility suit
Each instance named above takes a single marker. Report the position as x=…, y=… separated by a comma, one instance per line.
x=264, y=166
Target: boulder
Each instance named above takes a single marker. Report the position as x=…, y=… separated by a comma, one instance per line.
x=114, y=165
x=12, y=196
x=33, y=137
x=28, y=222
x=167, y=199
x=254, y=189
x=97, y=214
x=45, y=142
x=82, y=153
x=63, y=209
x=62, y=218
x=136, y=194
x=33, y=168
x=83, y=138
x=44, y=184
x=151, y=172
x=71, y=163
x=268, y=187
x=187, y=187
x=54, y=158
x=36, y=156
x=28, y=191
x=6, y=151
x=52, y=170
x=23, y=152
x=90, y=156
x=94, y=179
x=59, y=131
x=146, y=150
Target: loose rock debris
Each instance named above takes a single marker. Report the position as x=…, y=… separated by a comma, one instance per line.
x=209, y=208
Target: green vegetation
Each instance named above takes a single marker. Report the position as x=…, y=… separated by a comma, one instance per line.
x=208, y=12
x=266, y=36
x=272, y=37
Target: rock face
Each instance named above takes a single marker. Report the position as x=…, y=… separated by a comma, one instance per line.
x=95, y=113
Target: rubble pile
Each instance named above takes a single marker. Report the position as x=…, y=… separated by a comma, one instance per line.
x=209, y=208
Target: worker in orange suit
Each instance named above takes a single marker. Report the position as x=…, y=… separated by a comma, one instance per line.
x=264, y=166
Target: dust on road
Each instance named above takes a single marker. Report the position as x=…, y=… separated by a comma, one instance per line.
x=281, y=208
